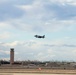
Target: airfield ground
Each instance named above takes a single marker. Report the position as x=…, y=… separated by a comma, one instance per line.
x=45, y=71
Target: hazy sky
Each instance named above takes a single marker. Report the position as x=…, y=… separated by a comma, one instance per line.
x=20, y=20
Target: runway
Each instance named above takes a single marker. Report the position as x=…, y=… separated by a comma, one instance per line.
x=31, y=74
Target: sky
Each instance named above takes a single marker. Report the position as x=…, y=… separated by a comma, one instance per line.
x=20, y=20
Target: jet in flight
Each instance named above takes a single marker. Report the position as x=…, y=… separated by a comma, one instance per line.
x=38, y=36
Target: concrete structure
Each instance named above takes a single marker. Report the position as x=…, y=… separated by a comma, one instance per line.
x=12, y=56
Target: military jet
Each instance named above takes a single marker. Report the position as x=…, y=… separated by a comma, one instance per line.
x=38, y=36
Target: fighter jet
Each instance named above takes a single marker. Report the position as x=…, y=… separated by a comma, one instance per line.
x=38, y=36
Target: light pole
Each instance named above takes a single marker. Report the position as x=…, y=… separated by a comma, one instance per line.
x=0, y=62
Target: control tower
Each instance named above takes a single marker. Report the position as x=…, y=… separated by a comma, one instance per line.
x=12, y=56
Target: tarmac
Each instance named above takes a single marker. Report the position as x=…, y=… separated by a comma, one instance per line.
x=30, y=74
